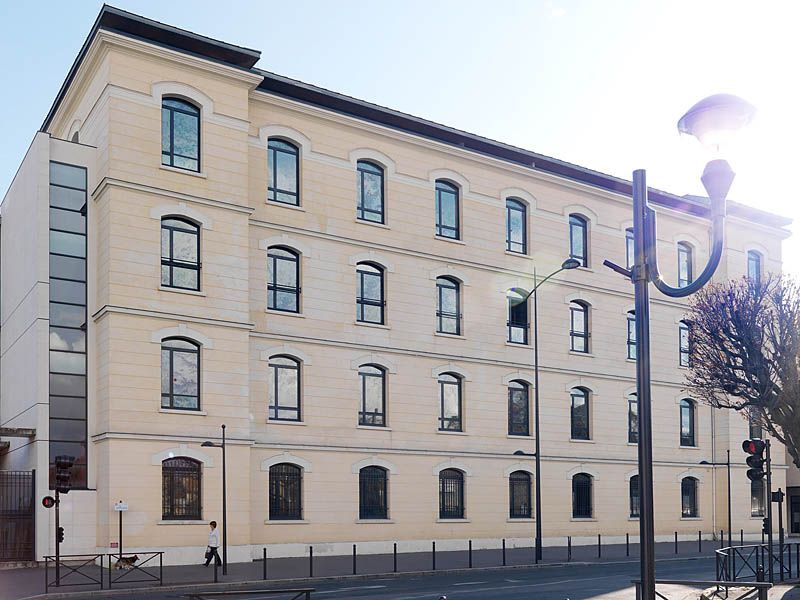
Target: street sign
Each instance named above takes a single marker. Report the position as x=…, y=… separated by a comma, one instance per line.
x=778, y=496
x=121, y=506
x=48, y=502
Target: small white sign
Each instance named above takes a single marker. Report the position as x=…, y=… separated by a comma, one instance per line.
x=121, y=506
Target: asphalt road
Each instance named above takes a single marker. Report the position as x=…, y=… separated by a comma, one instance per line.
x=573, y=582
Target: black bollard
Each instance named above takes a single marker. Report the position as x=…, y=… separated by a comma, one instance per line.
x=311, y=561
x=394, y=552
x=627, y=544
x=433, y=554
x=470, y=554
x=676, y=542
x=504, y=552
x=699, y=541
x=569, y=547
x=264, y=566
x=354, y=559
x=599, y=547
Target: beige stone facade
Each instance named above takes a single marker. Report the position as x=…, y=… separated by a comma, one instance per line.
x=111, y=110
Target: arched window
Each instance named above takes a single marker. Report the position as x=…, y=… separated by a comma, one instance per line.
x=451, y=494
x=633, y=419
x=754, y=266
x=180, y=254
x=684, y=264
x=369, y=302
x=630, y=250
x=683, y=344
x=447, y=210
x=285, y=492
x=370, y=192
x=283, y=162
x=631, y=321
x=519, y=495
x=373, y=493
x=579, y=413
x=180, y=134
x=754, y=428
x=582, y=496
x=373, y=396
x=517, y=320
x=633, y=492
x=516, y=226
x=689, y=497
x=579, y=239
x=284, y=388
x=180, y=374
x=757, y=498
x=283, y=279
x=448, y=306
x=180, y=489
x=687, y=423
x=450, y=402
x=578, y=326
x=518, y=409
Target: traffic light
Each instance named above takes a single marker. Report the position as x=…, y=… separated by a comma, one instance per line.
x=64, y=473
x=60, y=534
x=755, y=448
x=765, y=528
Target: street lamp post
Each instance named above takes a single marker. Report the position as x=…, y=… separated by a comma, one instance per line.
x=728, y=464
x=224, y=501
x=710, y=120
x=517, y=296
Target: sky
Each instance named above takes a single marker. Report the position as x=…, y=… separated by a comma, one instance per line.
x=597, y=83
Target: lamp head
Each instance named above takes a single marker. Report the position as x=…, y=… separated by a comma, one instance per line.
x=207, y=445
x=704, y=462
x=714, y=120
x=571, y=263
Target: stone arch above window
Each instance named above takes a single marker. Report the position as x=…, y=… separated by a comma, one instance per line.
x=287, y=241
x=583, y=469
x=519, y=466
x=184, y=91
x=372, y=257
x=519, y=194
x=286, y=457
x=692, y=473
x=374, y=359
x=182, y=450
x=287, y=134
x=181, y=210
x=450, y=272
x=580, y=210
x=373, y=461
x=375, y=156
x=518, y=376
x=450, y=176
x=287, y=350
x=452, y=463
x=586, y=299
x=182, y=331
x=688, y=239
x=631, y=474
x=581, y=383
x=451, y=368
x=74, y=130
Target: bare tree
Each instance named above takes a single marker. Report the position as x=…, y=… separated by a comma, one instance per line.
x=744, y=343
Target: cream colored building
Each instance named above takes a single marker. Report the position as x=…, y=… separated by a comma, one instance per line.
x=211, y=270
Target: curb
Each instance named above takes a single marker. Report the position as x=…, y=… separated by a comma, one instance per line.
x=233, y=585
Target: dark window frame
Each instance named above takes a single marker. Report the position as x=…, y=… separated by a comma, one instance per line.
x=684, y=344
x=365, y=418
x=519, y=495
x=274, y=287
x=579, y=307
x=634, y=497
x=285, y=492
x=192, y=111
x=364, y=168
x=688, y=437
x=575, y=432
x=754, y=266
x=449, y=283
x=518, y=322
x=170, y=262
x=373, y=493
x=442, y=230
x=519, y=426
x=685, y=255
x=758, y=498
x=579, y=229
x=272, y=159
x=755, y=429
x=170, y=396
x=630, y=323
x=274, y=407
x=630, y=250
x=582, y=492
x=633, y=418
x=362, y=272
x=689, y=505
x=446, y=423
x=516, y=205
x=185, y=472
x=451, y=494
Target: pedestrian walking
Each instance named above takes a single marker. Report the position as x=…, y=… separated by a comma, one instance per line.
x=213, y=544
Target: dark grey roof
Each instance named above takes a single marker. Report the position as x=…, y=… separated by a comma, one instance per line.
x=123, y=22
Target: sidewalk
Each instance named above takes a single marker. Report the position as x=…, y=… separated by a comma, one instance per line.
x=21, y=583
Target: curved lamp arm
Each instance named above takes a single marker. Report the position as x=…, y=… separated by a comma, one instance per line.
x=538, y=285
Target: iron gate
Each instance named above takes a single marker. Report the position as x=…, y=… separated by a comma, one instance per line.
x=17, y=493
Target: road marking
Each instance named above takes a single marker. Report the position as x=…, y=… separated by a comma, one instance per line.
x=471, y=583
x=347, y=589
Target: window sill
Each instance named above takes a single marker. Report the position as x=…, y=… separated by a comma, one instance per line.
x=690, y=447
x=455, y=336
x=177, y=411
x=524, y=520
x=631, y=360
x=293, y=423
x=284, y=205
x=453, y=521
x=373, y=521
x=587, y=269
x=691, y=518
x=517, y=254
x=373, y=427
x=374, y=325
x=634, y=444
x=372, y=223
x=451, y=432
x=179, y=522
x=519, y=437
x=451, y=240
x=574, y=441
x=201, y=174
x=576, y=353
x=174, y=290
x=636, y=519
x=583, y=520
x=516, y=345
x=285, y=522
x=285, y=313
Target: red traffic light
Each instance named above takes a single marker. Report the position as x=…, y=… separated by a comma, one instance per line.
x=48, y=502
x=753, y=446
